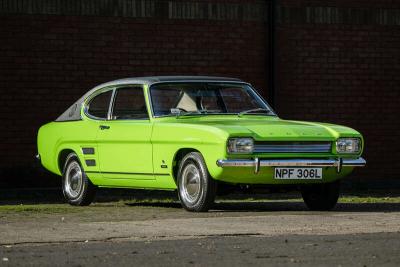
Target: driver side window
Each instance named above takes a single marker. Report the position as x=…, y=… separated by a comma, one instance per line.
x=129, y=104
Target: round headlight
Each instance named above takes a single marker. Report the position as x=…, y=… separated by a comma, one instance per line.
x=240, y=145
x=348, y=145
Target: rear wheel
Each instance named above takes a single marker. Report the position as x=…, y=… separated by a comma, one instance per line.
x=196, y=188
x=321, y=196
x=77, y=188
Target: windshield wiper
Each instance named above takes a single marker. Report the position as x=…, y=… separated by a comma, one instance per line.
x=264, y=110
x=188, y=113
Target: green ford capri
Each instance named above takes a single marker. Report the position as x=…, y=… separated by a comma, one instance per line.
x=193, y=135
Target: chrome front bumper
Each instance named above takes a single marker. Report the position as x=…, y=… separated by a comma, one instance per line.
x=257, y=163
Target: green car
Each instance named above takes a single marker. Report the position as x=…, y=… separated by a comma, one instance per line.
x=192, y=134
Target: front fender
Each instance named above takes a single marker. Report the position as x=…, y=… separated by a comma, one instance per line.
x=169, y=138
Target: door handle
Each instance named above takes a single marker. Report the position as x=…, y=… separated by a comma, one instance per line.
x=104, y=127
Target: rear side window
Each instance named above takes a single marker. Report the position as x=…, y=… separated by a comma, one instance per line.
x=129, y=104
x=98, y=106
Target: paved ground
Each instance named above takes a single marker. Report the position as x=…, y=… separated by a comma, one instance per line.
x=234, y=233
x=287, y=250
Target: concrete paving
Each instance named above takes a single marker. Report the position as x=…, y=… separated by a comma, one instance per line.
x=155, y=235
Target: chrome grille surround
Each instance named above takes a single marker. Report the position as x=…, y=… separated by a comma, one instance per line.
x=292, y=147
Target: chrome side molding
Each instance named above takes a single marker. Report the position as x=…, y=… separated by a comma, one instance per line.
x=257, y=163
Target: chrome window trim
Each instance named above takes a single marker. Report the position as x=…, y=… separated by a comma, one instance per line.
x=207, y=81
x=86, y=103
x=113, y=87
x=111, y=105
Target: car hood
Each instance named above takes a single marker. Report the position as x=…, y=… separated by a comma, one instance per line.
x=278, y=129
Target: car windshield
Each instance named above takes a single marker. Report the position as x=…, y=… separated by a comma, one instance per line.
x=179, y=99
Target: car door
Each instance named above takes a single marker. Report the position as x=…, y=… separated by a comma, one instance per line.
x=123, y=141
x=96, y=110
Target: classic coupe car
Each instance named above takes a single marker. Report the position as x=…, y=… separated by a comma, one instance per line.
x=192, y=134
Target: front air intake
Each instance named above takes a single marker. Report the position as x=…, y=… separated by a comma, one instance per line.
x=292, y=147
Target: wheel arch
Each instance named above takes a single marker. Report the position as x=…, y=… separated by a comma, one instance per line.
x=179, y=155
x=62, y=157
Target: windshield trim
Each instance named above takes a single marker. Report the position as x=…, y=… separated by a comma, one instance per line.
x=272, y=114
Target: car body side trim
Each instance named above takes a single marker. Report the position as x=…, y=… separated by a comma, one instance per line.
x=130, y=173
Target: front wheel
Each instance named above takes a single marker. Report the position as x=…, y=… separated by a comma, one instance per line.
x=321, y=196
x=196, y=188
x=78, y=190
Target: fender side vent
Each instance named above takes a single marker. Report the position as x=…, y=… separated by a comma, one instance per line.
x=88, y=150
x=90, y=162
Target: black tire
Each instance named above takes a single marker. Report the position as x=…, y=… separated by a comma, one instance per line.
x=84, y=192
x=196, y=188
x=321, y=197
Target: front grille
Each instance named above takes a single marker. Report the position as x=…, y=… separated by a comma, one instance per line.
x=292, y=147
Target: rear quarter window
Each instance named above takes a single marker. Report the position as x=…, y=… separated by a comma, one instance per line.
x=98, y=106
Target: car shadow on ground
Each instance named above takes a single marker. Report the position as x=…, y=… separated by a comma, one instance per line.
x=268, y=206
x=274, y=202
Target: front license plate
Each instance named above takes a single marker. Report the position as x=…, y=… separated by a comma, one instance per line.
x=298, y=173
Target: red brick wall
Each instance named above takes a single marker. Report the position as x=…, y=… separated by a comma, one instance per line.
x=341, y=68
x=346, y=74
x=49, y=61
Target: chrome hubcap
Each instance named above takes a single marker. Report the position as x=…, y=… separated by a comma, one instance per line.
x=73, y=180
x=190, y=183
